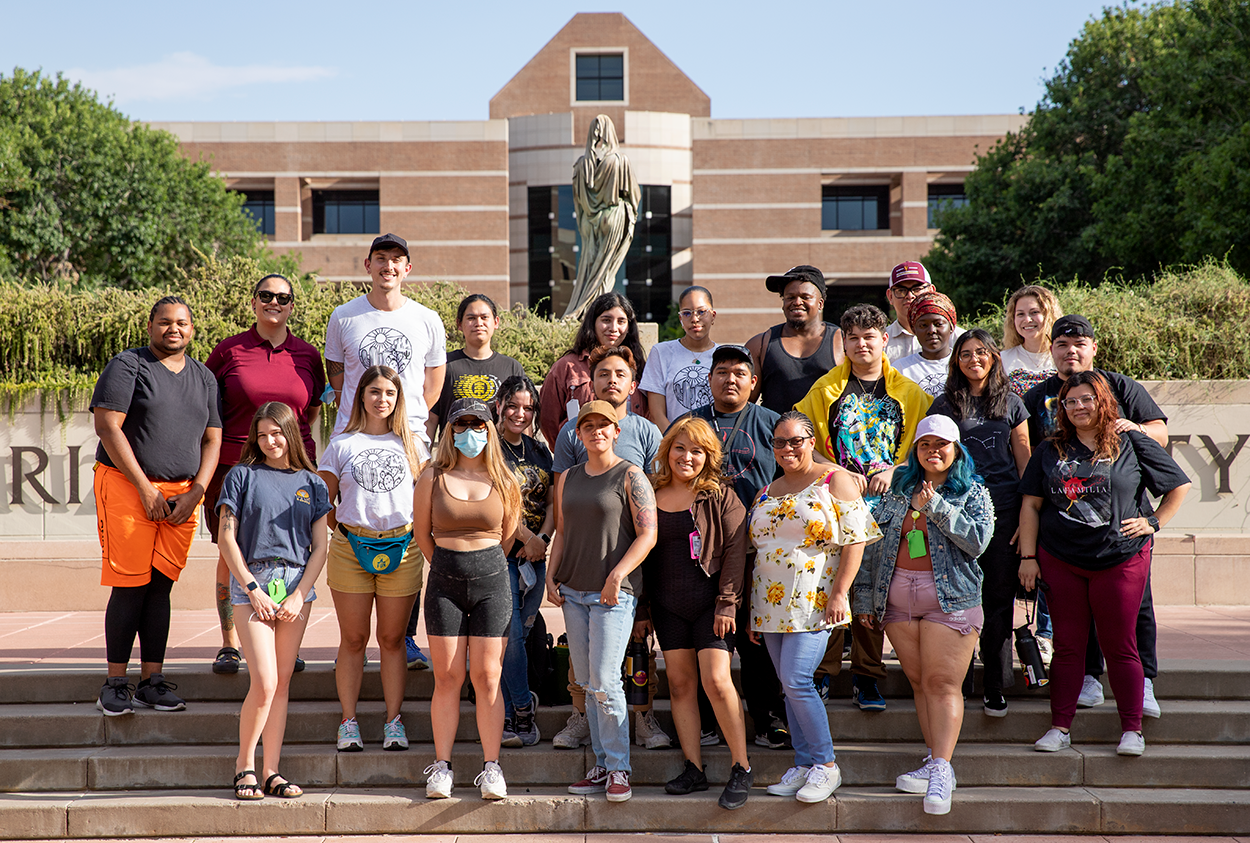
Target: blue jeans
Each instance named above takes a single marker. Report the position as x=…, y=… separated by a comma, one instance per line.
x=1044, y=627
x=515, y=676
x=597, y=638
x=796, y=655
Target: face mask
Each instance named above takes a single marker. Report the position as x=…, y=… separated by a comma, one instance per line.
x=470, y=442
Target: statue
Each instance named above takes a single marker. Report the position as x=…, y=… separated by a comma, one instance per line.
x=606, y=196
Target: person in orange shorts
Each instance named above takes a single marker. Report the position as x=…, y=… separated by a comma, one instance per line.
x=156, y=415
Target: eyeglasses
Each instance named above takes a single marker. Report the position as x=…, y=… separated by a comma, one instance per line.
x=267, y=296
x=792, y=442
x=461, y=425
x=899, y=291
x=1082, y=401
x=702, y=313
x=980, y=354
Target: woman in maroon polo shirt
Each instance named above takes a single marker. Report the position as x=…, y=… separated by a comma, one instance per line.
x=264, y=363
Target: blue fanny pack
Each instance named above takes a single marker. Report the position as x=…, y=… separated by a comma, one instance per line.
x=378, y=556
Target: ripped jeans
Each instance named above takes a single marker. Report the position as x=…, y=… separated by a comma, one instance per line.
x=515, y=678
x=598, y=636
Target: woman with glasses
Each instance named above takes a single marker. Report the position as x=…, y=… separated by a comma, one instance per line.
x=1082, y=529
x=264, y=363
x=993, y=426
x=465, y=512
x=676, y=378
x=809, y=528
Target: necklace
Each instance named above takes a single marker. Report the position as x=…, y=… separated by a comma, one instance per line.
x=871, y=393
x=512, y=449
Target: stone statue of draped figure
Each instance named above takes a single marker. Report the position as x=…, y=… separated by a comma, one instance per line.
x=606, y=196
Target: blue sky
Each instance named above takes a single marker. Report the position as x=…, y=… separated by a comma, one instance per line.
x=443, y=61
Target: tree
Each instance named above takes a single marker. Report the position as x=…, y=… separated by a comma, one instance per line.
x=1137, y=158
x=89, y=197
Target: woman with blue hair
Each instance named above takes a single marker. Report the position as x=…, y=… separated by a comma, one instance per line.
x=922, y=584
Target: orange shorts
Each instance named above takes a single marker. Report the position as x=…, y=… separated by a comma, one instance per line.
x=132, y=545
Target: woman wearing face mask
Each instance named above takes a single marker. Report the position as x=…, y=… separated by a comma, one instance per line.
x=465, y=510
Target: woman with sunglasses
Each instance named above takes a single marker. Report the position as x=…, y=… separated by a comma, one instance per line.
x=264, y=363
x=465, y=511
x=676, y=377
x=809, y=528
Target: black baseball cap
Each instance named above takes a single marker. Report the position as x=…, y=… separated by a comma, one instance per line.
x=390, y=241
x=1071, y=326
x=462, y=407
x=733, y=353
x=803, y=272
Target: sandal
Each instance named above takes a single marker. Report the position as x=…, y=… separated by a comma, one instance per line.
x=247, y=792
x=283, y=789
x=227, y=661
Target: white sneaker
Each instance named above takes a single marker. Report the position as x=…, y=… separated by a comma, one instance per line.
x=790, y=783
x=1053, y=741
x=491, y=781
x=576, y=732
x=917, y=781
x=647, y=732
x=1131, y=743
x=822, y=781
x=438, y=785
x=1149, y=705
x=1047, y=649
x=1091, y=693
x=937, y=798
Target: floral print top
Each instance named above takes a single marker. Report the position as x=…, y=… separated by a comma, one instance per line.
x=798, y=539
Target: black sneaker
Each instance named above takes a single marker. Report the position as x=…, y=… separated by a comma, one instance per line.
x=995, y=704
x=735, y=794
x=775, y=737
x=525, y=726
x=690, y=780
x=155, y=692
x=115, y=697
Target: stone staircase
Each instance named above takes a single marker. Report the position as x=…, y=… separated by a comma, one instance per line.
x=68, y=772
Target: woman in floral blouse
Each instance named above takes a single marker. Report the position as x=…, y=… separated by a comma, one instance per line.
x=809, y=528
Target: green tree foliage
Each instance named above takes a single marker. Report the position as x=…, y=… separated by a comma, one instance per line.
x=1137, y=158
x=87, y=196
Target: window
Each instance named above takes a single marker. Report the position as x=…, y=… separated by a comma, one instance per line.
x=943, y=197
x=859, y=208
x=600, y=77
x=646, y=277
x=258, y=204
x=345, y=212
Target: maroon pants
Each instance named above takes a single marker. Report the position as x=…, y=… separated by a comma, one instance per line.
x=1111, y=599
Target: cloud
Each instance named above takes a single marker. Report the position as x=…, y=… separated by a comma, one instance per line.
x=187, y=76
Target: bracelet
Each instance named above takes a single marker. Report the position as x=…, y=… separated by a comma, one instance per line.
x=1022, y=558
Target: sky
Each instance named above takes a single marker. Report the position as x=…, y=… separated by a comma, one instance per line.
x=368, y=60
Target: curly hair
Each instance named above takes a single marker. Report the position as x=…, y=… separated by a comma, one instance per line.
x=1106, y=411
x=700, y=434
x=864, y=317
x=1051, y=311
x=603, y=352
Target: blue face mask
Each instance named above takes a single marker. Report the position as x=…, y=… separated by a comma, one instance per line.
x=470, y=442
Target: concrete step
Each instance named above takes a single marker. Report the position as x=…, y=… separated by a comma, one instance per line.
x=1043, y=810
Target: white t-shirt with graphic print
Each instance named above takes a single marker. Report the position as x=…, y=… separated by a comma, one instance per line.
x=680, y=374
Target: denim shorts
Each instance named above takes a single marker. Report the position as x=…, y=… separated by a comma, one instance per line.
x=913, y=596
x=265, y=571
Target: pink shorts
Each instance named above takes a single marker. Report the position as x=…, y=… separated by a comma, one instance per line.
x=913, y=596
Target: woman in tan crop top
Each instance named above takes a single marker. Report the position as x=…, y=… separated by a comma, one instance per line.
x=465, y=509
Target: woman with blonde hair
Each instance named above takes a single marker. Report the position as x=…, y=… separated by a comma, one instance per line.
x=466, y=508
x=1027, y=320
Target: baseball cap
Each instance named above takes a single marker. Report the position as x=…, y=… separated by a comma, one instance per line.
x=909, y=271
x=802, y=272
x=468, y=407
x=599, y=408
x=732, y=353
x=1071, y=326
x=943, y=427
x=389, y=241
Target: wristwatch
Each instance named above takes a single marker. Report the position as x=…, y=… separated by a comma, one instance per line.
x=546, y=538
x=1153, y=522
x=253, y=585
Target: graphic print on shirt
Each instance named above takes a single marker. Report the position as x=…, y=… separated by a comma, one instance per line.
x=934, y=384
x=378, y=470
x=1084, y=491
x=743, y=448
x=691, y=388
x=867, y=431
x=1050, y=414
x=386, y=347
x=534, y=483
x=481, y=387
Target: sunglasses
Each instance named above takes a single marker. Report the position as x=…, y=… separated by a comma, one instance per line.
x=267, y=296
x=793, y=442
x=461, y=425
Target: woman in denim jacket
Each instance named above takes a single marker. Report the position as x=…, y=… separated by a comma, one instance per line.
x=921, y=582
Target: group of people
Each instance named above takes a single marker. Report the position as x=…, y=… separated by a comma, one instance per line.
x=771, y=498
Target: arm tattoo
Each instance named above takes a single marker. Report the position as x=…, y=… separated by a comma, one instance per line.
x=333, y=367
x=229, y=523
x=643, y=496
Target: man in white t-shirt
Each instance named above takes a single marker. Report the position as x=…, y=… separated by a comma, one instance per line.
x=932, y=315
x=907, y=280
x=385, y=327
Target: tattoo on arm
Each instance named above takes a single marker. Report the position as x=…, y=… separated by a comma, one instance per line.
x=334, y=367
x=229, y=523
x=643, y=497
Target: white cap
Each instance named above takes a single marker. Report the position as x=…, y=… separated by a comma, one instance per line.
x=943, y=427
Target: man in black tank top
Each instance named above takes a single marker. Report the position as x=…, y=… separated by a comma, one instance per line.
x=792, y=356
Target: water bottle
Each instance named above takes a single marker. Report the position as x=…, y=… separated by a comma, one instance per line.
x=637, y=660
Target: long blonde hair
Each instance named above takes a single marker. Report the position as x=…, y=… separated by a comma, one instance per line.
x=398, y=418
x=700, y=434
x=1051, y=311
x=501, y=475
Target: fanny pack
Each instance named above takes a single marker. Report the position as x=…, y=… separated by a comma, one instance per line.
x=378, y=556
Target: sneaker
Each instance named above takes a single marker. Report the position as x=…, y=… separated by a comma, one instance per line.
x=735, y=794
x=775, y=737
x=692, y=778
x=1047, y=649
x=865, y=695
x=439, y=780
x=417, y=660
x=790, y=783
x=299, y=665
x=525, y=726
x=155, y=692
x=822, y=687
x=917, y=781
x=995, y=704
x=1091, y=693
x=596, y=781
x=1053, y=741
x=349, y=736
x=491, y=781
x=618, y=786
x=647, y=732
x=1131, y=743
x=709, y=737
x=576, y=732
x=510, y=737
x=1149, y=705
x=393, y=735
x=937, y=798
x=115, y=697
x=822, y=781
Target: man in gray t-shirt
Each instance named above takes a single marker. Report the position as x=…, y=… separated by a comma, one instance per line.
x=613, y=377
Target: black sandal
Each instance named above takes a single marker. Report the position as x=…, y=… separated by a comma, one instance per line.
x=254, y=788
x=227, y=661
x=283, y=789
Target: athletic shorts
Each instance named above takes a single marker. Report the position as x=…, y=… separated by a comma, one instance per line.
x=131, y=544
x=343, y=572
x=913, y=596
x=468, y=594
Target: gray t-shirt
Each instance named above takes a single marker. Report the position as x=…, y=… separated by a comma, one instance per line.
x=639, y=441
x=599, y=506
x=166, y=412
x=276, y=510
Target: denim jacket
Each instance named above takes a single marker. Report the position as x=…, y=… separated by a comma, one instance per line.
x=959, y=531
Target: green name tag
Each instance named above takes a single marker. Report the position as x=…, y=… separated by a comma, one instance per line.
x=277, y=588
x=915, y=544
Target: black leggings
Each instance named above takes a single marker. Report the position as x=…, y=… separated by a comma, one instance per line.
x=141, y=610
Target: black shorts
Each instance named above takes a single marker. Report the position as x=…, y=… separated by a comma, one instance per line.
x=467, y=593
x=677, y=632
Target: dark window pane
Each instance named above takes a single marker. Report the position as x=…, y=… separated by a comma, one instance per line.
x=345, y=212
x=612, y=66
x=258, y=204
x=588, y=89
x=587, y=66
x=611, y=89
x=600, y=77
x=332, y=219
x=943, y=197
x=855, y=208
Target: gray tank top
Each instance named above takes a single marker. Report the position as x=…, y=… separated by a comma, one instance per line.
x=599, y=528
x=786, y=379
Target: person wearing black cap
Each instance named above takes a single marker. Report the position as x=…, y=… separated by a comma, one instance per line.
x=790, y=357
